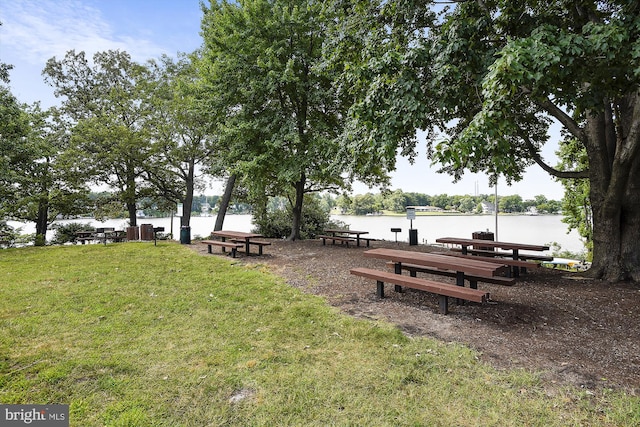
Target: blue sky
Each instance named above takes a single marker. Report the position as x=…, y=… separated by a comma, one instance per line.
x=33, y=31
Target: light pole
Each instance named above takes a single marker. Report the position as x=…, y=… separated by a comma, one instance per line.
x=496, y=208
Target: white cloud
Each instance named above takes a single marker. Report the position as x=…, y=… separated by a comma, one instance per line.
x=38, y=30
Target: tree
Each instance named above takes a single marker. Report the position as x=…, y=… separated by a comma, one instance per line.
x=282, y=113
x=395, y=201
x=575, y=205
x=182, y=148
x=511, y=204
x=104, y=101
x=47, y=184
x=36, y=184
x=14, y=127
x=493, y=76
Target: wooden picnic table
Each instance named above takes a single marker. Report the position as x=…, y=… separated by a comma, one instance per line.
x=237, y=235
x=470, y=269
x=479, y=243
x=335, y=232
x=85, y=236
x=462, y=266
x=515, y=247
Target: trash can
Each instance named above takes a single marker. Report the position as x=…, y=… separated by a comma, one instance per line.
x=146, y=231
x=413, y=236
x=133, y=233
x=185, y=235
x=483, y=235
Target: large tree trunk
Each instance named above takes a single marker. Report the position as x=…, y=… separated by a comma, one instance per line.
x=131, y=209
x=614, y=165
x=129, y=197
x=42, y=221
x=297, y=209
x=224, y=202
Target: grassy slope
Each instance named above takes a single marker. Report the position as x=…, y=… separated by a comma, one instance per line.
x=134, y=334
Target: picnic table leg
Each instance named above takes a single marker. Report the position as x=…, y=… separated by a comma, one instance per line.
x=246, y=246
x=516, y=270
x=459, y=282
x=464, y=249
x=398, y=270
x=224, y=239
x=358, y=240
x=380, y=290
x=443, y=303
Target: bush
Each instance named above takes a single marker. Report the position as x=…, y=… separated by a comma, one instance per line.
x=11, y=237
x=66, y=233
x=277, y=223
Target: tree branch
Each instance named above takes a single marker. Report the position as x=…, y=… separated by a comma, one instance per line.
x=566, y=120
x=535, y=155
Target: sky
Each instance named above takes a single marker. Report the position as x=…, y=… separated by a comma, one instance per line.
x=34, y=31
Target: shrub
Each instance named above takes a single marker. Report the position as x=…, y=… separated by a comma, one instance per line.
x=12, y=237
x=277, y=223
x=67, y=232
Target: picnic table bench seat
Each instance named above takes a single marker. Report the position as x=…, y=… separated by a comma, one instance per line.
x=368, y=240
x=490, y=253
x=443, y=290
x=231, y=245
x=259, y=243
x=515, y=263
x=473, y=280
x=335, y=239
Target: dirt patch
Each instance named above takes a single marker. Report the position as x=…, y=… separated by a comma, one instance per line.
x=574, y=331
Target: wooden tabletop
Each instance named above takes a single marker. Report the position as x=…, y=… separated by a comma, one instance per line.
x=492, y=244
x=235, y=234
x=336, y=230
x=445, y=262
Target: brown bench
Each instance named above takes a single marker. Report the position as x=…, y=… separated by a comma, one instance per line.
x=231, y=245
x=516, y=264
x=473, y=280
x=367, y=239
x=259, y=243
x=443, y=290
x=521, y=256
x=335, y=239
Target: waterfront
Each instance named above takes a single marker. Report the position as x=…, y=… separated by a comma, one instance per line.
x=538, y=229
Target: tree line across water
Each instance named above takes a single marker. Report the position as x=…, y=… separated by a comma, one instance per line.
x=357, y=204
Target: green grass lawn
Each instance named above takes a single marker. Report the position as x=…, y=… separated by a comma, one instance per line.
x=138, y=335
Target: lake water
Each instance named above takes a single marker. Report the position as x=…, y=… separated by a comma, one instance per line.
x=538, y=229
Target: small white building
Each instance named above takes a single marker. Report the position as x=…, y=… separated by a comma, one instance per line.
x=488, y=208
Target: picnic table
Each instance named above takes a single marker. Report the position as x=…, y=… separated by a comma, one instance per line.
x=239, y=236
x=85, y=236
x=469, y=269
x=464, y=267
x=515, y=248
x=345, y=235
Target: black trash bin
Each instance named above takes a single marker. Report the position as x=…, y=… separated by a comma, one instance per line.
x=185, y=235
x=413, y=236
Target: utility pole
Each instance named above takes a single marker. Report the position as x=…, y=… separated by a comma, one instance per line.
x=496, y=209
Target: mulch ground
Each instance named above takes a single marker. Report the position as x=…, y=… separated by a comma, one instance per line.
x=569, y=329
